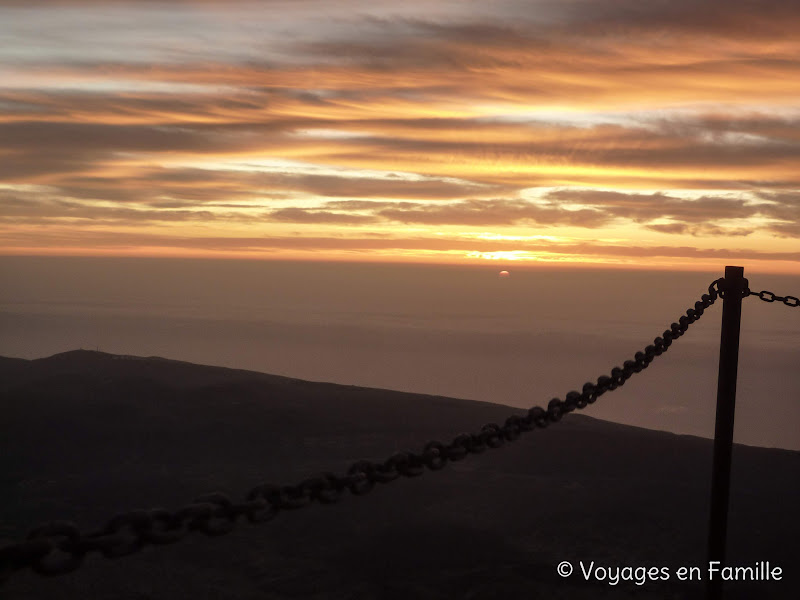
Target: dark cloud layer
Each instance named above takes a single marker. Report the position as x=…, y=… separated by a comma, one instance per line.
x=489, y=213
x=742, y=149
x=591, y=209
x=398, y=116
x=643, y=208
x=299, y=215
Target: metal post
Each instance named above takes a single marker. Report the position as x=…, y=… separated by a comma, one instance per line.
x=732, y=286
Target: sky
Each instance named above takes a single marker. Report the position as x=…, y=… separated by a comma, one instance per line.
x=621, y=133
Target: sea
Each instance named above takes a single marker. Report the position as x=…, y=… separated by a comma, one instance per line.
x=452, y=330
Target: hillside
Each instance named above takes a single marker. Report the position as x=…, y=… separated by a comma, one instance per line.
x=85, y=435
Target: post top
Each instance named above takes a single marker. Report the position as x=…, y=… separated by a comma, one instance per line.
x=734, y=272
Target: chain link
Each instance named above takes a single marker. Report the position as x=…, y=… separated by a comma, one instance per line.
x=766, y=296
x=59, y=547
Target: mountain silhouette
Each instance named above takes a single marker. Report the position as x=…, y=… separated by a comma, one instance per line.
x=85, y=435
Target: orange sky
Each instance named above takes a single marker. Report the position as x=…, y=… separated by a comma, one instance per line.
x=621, y=133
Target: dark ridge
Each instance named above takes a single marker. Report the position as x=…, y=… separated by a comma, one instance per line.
x=87, y=434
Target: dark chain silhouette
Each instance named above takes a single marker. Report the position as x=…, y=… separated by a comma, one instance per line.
x=766, y=296
x=59, y=546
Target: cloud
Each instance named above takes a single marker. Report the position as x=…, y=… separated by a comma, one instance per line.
x=642, y=208
x=300, y=215
x=500, y=156
x=678, y=228
x=695, y=216
x=392, y=115
x=789, y=230
x=42, y=211
x=185, y=187
x=783, y=205
x=741, y=18
x=144, y=201
x=597, y=208
x=684, y=229
x=373, y=187
x=489, y=213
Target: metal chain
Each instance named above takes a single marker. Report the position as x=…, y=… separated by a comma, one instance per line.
x=766, y=296
x=59, y=547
